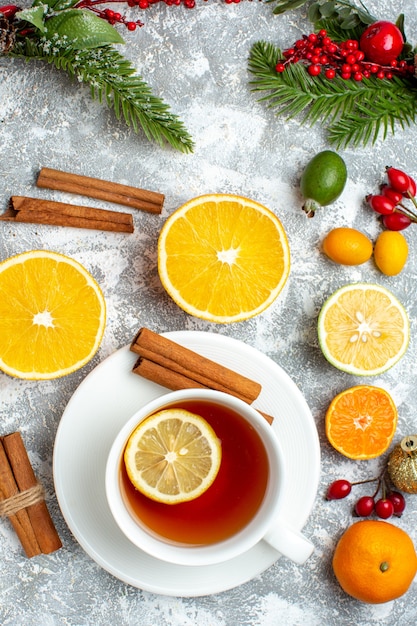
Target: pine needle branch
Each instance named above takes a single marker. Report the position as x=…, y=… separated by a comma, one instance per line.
x=354, y=112
x=112, y=79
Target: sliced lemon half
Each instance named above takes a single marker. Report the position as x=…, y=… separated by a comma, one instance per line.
x=363, y=329
x=173, y=456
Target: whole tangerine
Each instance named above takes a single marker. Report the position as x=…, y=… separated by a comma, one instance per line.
x=375, y=561
x=347, y=246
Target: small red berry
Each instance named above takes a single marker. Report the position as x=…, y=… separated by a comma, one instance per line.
x=280, y=67
x=9, y=11
x=396, y=221
x=314, y=69
x=131, y=25
x=398, y=502
x=365, y=506
x=339, y=489
x=384, y=508
x=330, y=73
x=357, y=76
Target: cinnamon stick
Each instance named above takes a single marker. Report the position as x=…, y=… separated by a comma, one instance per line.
x=208, y=373
x=40, y=519
x=173, y=380
x=150, y=201
x=173, y=366
x=19, y=520
x=39, y=211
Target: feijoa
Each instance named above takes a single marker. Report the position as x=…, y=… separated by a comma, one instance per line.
x=323, y=180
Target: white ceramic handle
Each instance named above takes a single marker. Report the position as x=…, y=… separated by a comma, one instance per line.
x=289, y=542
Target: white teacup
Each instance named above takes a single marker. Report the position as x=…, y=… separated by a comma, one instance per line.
x=267, y=523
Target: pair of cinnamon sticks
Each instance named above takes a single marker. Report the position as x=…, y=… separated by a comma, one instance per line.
x=175, y=367
x=22, y=499
x=39, y=211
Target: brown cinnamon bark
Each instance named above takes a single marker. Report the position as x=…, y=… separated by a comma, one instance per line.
x=39, y=211
x=193, y=366
x=19, y=520
x=150, y=201
x=40, y=519
x=168, y=364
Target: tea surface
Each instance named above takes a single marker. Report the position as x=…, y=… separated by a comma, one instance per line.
x=231, y=501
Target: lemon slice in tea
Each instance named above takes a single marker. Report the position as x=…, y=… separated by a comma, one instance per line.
x=363, y=329
x=173, y=456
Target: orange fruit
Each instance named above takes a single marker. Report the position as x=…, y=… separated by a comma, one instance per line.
x=363, y=329
x=223, y=258
x=347, y=246
x=52, y=315
x=390, y=252
x=172, y=456
x=375, y=561
x=361, y=422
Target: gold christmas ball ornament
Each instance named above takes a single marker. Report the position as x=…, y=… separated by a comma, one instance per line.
x=402, y=464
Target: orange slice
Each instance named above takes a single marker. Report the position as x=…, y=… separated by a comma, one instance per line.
x=223, y=258
x=361, y=422
x=52, y=315
x=363, y=329
x=173, y=456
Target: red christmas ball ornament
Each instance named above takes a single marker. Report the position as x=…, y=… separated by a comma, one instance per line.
x=382, y=42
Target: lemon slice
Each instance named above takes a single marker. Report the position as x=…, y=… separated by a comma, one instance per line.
x=223, y=258
x=363, y=329
x=173, y=456
x=52, y=315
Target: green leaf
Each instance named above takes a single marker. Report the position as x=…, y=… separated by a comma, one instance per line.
x=287, y=5
x=34, y=15
x=82, y=29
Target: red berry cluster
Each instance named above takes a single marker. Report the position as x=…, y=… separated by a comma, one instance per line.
x=395, y=215
x=323, y=55
x=390, y=503
x=114, y=17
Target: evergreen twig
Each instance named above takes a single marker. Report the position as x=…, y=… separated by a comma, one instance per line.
x=354, y=112
x=112, y=79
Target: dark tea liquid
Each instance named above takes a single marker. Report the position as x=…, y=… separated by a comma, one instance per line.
x=229, y=503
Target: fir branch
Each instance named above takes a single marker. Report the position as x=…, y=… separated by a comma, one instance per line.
x=354, y=112
x=112, y=79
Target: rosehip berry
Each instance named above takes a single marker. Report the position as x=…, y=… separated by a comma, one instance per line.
x=412, y=189
x=396, y=221
x=384, y=508
x=399, y=180
x=398, y=502
x=339, y=489
x=381, y=204
x=365, y=506
x=392, y=194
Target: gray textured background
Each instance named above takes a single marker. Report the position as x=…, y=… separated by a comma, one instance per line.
x=197, y=61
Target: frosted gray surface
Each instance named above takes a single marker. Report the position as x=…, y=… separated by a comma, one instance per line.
x=197, y=61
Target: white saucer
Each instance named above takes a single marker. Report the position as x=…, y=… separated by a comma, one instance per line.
x=100, y=406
